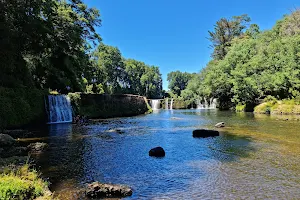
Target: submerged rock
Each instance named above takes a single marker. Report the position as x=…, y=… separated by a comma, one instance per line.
x=6, y=140
x=157, y=152
x=100, y=190
x=175, y=118
x=119, y=131
x=37, y=147
x=203, y=133
x=220, y=125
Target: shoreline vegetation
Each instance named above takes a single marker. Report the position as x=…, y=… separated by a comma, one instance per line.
x=22, y=182
x=247, y=65
x=279, y=107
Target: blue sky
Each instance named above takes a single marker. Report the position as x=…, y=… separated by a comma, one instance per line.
x=172, y=34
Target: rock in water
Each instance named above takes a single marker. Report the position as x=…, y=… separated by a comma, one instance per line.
x=205, y=133
x=6, y=140
x=100, y=190
x=37, y=147
x=220, y=125
x=157, y=152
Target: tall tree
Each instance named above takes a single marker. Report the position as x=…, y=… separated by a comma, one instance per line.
x=110, y=69
x=224, y=32
x=46, y=42
x=178, y=81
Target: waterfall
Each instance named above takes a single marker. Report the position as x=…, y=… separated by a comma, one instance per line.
x=155, y=104
x=206, y=105
x=212, y=104
x=199, y=104
x=171, y=105
x=59, y=109
x=166, y=103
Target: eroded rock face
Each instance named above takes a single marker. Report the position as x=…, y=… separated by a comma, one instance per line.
x=100, y=190
x=220, y=125
x=203, y=133
x=6, y=140
x=37, y=147
x=157, y=152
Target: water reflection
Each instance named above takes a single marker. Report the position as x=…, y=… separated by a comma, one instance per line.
x=250, y=159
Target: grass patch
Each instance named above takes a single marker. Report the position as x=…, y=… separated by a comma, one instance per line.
x=22, y=183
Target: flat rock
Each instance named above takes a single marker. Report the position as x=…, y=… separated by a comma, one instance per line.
x=157, y=152
x=203, y=133
x=100, y=190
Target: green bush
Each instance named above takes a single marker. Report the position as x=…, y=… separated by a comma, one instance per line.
x=75, y=102
x=240, y=108
x=21, y=106
x=22, y=183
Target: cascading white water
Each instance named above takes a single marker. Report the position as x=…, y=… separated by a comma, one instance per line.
x=155, y=104
x=212, y=104
x=60, y=110
x=171, y=105
x=199, y=105
x=167, y=104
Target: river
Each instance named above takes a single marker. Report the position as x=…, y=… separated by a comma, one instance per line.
x=256, y=157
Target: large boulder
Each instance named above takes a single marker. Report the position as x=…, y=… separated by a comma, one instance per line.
x=6, y=140
x=220, y=125
x=37, y=147
x=157, y=152
x=203, y=133
x=100, y=190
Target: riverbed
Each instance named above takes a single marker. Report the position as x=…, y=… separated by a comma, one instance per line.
x=256, y=156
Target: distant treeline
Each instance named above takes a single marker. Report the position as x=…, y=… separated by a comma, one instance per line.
x=249, y=64
x=54, y=45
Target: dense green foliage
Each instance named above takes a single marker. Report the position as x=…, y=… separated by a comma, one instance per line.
x=22, y=183
x=49, y=44
x=178, y=81
x=255, y=64
x=21, y=106
x=118, y=75
x=45, y=43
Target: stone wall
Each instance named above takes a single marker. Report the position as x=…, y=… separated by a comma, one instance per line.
x=106, y=106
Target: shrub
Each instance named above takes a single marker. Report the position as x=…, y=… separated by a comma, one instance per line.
x=240, y=108
x=22, y=183
x=75, y=99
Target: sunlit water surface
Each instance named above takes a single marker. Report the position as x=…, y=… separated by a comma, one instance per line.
x=257, y=156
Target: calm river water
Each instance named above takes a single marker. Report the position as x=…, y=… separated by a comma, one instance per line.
x=257, y=156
